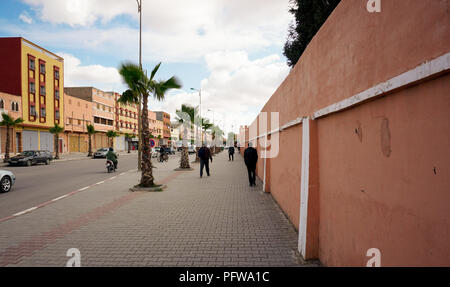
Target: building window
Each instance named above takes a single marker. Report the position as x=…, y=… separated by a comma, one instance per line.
x=57, y=115
x=57, y=74
x=42, y=90
x=70, y=102
x=32, y=88
x=42, y=68
x=13, y=106
x=110, y=123
x=79, y=122
x=103, y=121
x=96, y=120
x=43, y=112
x=57, y=95
x=31, y=63
x=2, y=104
x=70, y=121
x=32, y=110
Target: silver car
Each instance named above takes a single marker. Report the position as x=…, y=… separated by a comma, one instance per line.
x=101, y=153
x=7, y=180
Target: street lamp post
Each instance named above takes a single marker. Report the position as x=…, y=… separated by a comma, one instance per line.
x=201, y=129
x=209, y=110
x=139, y=3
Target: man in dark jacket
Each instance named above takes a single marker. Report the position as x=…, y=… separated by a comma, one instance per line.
x=231, y=153
x=112, y=157
x=250, y=159
x=205, y=155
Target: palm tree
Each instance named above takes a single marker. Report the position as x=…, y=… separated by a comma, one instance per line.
x=181, y=118
x=206, y=125
x=9, y=121
x=140, y=84
x=111, y=135
x=128, y=137
x=90, y=131
x=56, y=130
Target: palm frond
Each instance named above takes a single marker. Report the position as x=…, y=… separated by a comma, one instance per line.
x=155, y=69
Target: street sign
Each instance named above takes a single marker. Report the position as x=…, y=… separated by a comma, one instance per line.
x=152, y=142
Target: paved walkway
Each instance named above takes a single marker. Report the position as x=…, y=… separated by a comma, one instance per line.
x=213, y=221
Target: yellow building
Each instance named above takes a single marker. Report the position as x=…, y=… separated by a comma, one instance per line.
x=37, y=75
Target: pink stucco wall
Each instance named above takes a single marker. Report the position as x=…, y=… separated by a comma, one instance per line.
x=359, y=197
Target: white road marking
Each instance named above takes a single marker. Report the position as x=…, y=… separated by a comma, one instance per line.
x=25, y=211
x=58, y=198
x=61, y=197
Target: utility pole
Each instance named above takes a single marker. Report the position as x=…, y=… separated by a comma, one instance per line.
x=139, y=2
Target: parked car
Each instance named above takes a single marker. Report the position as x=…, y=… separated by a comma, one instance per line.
x=169, y=150
x=30, y=157
x=7, y=180
x=191, y=149
x=47, y=154
x=101, y=153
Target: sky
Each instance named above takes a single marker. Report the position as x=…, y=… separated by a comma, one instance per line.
x=230, y=49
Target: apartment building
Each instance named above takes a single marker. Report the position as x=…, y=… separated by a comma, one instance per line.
x=11, y=105
x=103, y=111
x=78, y=114
x=126, y=123
x=165, y=119
x=36, y=75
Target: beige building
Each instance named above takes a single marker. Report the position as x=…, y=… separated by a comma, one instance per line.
x=103, y=109
x=11, y=105
x=77, y=115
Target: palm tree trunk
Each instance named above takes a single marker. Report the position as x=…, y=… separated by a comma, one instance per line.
x=184, y=162
x=90, y=145
x=146, y=164
x=129, y=147
x=7, y=145
x=56, y=147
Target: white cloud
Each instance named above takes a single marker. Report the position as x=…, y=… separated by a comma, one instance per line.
x=236, y=89
x=104, y=78
x=173, y=30
x=26, y=18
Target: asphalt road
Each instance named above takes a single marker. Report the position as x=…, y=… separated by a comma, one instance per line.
x=40, y=183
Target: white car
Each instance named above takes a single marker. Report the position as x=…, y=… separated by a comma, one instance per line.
x=7, y=180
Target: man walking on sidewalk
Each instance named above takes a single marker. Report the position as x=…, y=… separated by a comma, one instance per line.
x=205, y=155
x=250, y=159
x=231, y=153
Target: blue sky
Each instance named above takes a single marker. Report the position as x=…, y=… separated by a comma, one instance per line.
x=231, y=49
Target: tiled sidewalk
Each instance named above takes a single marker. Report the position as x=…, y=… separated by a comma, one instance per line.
x=213, y=221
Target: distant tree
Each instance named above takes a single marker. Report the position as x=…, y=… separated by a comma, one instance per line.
x=309, y=17
x=111, y=135
x=90, y=131
x=56, y=130
x=9, y=121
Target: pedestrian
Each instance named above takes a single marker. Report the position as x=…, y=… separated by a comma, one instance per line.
x=250, y=159
x=205, y=155
x=231, y=153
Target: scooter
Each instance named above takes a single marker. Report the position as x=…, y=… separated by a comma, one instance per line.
x=110, y=166
x=163, y=158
